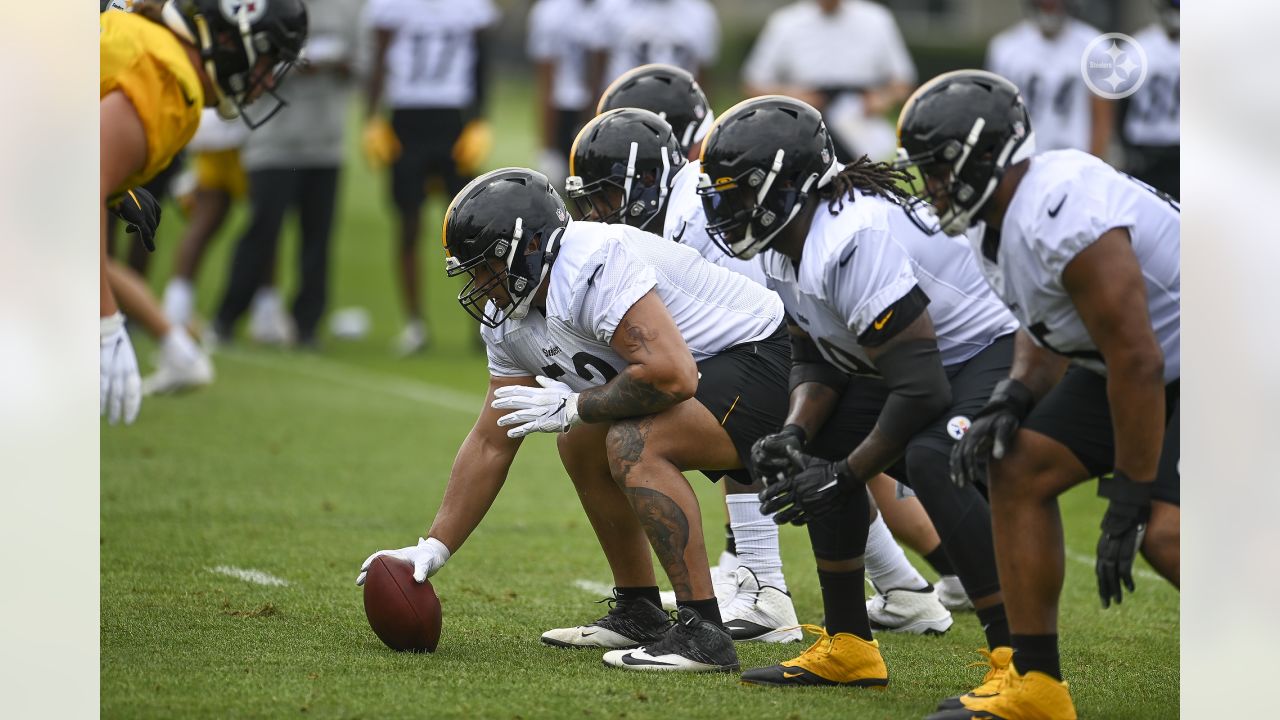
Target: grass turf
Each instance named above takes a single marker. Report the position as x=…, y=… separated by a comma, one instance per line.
x=300, y=465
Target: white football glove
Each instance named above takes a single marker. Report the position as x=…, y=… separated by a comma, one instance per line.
x=120, y=386
x=428, y=556
x=550, y=408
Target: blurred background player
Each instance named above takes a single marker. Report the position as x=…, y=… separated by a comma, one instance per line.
x=157, y=71
x=844, y=57
x=564, y=42
x=670, y=92
x=1150, y=119
x=684, y=33
x=1041, y=55
x=429, y=67
x=292, y=165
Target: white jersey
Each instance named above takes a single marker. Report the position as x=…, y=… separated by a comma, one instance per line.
x=1155, y=110
x=601, y=270
x=564, y=33
x=686, y=224
x=684, y=33
x=857, y=264
x=432, y=57
x=525, y=348
x=1047, y=71
x=1065, y=202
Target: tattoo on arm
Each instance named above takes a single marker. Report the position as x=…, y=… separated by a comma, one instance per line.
x=668, y=530
x=638, y=337
x=622, y=397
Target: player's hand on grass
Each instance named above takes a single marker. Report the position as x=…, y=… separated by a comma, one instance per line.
x=428, y=556
x=992, y=432
x=1123, y=527
x=140, y=212
x=769, y=457
x=553, y=407
x=120, y=386
x=811, y=488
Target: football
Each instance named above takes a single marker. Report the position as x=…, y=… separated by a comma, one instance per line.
x=403, y=614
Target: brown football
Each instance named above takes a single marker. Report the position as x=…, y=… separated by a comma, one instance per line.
x=403, y=614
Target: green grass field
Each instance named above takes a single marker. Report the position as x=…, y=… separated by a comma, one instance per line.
x=300, y=465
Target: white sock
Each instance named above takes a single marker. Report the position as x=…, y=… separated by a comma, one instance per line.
x=756, y=538
x=887, y=566
x=179, y=300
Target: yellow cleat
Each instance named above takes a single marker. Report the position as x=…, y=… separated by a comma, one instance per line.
x=840, y=659
x=998, y=663
x=1034, y=696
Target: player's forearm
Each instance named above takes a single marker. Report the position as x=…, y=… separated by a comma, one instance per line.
x=1037, y=368
x=636, y=391
x=478, y=473
x=811, y=405
x=1135, y=390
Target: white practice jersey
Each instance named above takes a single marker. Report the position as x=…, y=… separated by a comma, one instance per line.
x=685, y=33
x=687, y=224
x=525, y=348
x=1065, y=202
x=432, y=56
x=1155, y=111
x=601, y=270
x=1047, y=71
x=565, y=33
x=858, y=263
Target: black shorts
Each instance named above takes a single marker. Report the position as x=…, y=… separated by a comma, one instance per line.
x=568, y=123
x=745, y=387
x=1077, y=414
x=971, y=384
x=1158, y=166
x=427, y=136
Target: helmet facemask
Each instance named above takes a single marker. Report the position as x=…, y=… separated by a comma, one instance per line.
x=627, y=195
x=518, y=275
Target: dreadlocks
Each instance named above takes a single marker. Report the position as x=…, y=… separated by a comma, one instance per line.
x=874, y=178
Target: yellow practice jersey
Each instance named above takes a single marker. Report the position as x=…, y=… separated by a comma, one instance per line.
x=148, y=64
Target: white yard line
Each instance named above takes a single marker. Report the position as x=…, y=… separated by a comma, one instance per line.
x=605, y=589
x=1089, y=560
x=250, y=575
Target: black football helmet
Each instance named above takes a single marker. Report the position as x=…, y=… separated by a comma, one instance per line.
x=961, y=131
x=622, y=167
x=760, y=162
x=670, y=92
x=247, y=46
x=513, y=216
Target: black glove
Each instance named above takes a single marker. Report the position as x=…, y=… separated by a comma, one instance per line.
x=812, y=488
x=140, y=211
x=991, y=433
x=769, y=456
x=1123, y=527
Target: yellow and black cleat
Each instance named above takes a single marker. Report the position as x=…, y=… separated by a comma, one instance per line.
x=998, y=662
x=1034, y=696
x=840, y=659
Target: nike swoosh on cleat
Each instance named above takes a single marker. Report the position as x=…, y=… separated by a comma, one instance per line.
x=630, y=659
x=584, y=633
x=792, y=675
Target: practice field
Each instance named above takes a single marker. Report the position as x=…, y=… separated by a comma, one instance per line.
x=234, y=521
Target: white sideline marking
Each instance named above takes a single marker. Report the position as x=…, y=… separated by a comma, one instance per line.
x=598, y=588
x=254, y=576
x=352, y=376
x=1089, y=560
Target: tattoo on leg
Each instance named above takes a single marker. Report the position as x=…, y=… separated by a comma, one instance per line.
x=668, y=530
x=624, y=444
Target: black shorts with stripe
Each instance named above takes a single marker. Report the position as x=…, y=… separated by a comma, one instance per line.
x=1077, y=414
x=745, y=387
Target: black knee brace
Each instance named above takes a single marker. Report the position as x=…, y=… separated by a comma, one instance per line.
x=841, y=534
x=960, y=515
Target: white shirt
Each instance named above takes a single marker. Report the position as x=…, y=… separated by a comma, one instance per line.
x=564, y=33
x=601, y=270
x=857, y=264
x=525, y=348
x=686, y=223
x=1155, y=110
x=432, y=56
x=685, y=33
x=1065, y=202
x=1047, y=71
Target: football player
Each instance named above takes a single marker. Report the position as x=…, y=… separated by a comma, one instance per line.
x=430, y=68
x=159, y=66
x=1151, y=117
x=627, y=168
x=565, y=45
x=646, y=360
x=670, y=92
x=897, y=342
x=1041, y=55
x=1087, y=258
x=684, y=33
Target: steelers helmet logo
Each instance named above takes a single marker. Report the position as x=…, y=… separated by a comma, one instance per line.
x=958, y=426
x=253, y=9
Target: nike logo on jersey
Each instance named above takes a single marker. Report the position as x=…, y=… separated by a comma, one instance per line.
x=1054, y=212
x=879, y=324
x=677, y=235
x=844, y=260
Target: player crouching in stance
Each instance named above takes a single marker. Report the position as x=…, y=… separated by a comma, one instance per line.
x=896, y=340
x=1087, y=259
x=647, y=361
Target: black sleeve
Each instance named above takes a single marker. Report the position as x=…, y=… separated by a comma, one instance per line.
x=918, y=388
x=895, y=318
x=808, y=365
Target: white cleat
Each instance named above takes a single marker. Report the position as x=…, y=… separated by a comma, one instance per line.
x=628, y=624
x=908, y=611
x=269, y=324
x=760, y=613
x=181, y=365
x=952, y=594
x=691, y=645
x=412, y=339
